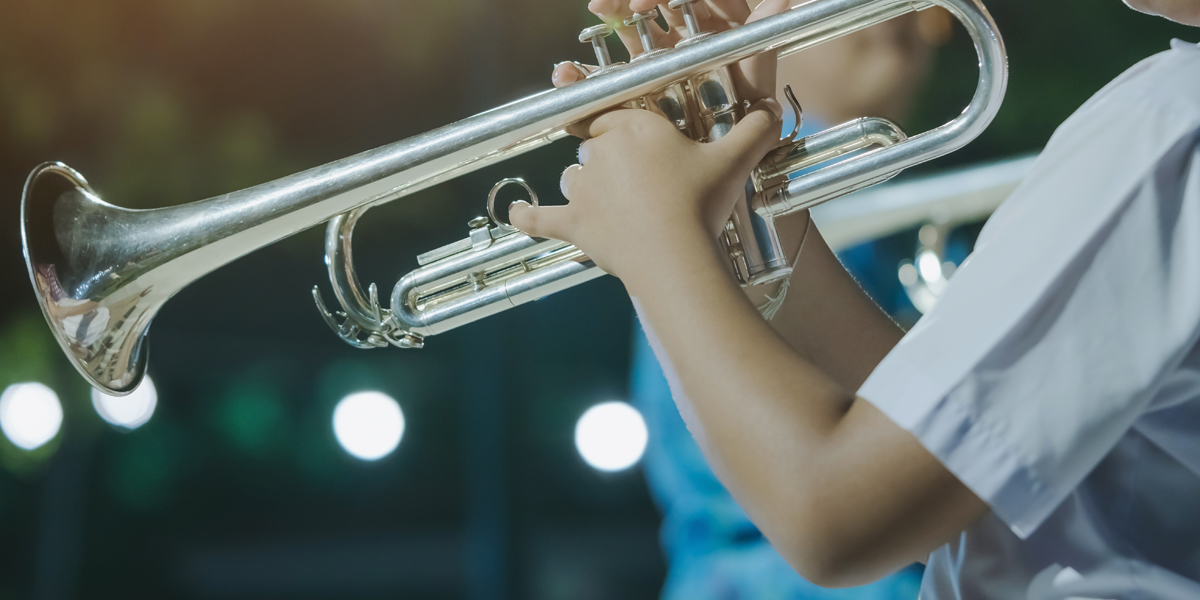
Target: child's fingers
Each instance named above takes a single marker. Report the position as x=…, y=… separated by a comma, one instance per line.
x=604, y=123
x=556, y=222
x=567, y=73
x=710, y=20
x=704, y=17
x=674, y=17
x=614, y=12
x=717, y=21
x=734, y=12
x=755, y=77
x=583, y=129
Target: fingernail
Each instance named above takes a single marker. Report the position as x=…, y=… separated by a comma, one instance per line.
x=564, y=182
x=583, y=153
x=517, y=204
x=555, y=76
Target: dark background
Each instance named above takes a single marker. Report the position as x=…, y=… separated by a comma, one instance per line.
x=236, y=487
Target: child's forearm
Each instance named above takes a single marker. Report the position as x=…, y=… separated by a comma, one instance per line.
x=832, y=482
x=826, y=316
x=830, y=320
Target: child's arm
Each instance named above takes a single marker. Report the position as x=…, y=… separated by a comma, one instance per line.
x=841, y=491
x=828, y=318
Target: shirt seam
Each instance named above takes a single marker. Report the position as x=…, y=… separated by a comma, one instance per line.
x=995, y=438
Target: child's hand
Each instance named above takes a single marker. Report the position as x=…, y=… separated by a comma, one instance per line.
x=638, y=162
x=644, y=190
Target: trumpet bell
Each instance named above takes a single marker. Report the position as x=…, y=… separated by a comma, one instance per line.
x=80, y=279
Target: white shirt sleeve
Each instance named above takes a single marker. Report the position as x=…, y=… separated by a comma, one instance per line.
x=1084, y=288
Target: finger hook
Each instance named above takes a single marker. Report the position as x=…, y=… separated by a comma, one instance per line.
x=491, y=203
x=795, y=104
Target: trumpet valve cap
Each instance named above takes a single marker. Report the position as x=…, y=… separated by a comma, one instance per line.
x=638, y=17
x=595, y=36
x=601, y=31
x=478, y=222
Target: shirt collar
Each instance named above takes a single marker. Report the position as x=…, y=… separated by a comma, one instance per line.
x=1178, y=44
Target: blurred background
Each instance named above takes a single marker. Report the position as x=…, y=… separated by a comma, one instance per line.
x=237, y=479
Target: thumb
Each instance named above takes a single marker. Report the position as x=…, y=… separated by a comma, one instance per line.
x=755, y=135
x=555, y=222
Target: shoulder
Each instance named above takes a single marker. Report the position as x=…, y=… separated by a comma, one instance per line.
x=1166, y=82
x=1113, y=143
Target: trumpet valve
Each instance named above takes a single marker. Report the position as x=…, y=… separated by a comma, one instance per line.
x=689, y=16
x=481, y=233
x=595, y=36
x=478, y=280
x=641, y=21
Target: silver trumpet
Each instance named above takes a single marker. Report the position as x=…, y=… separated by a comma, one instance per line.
x=101, y=272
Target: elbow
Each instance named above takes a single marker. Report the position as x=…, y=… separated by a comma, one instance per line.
x=825, y=553
x=821, y=567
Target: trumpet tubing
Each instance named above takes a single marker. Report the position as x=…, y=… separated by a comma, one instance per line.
x=101, y=272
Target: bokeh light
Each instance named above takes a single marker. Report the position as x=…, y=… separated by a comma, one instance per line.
x=127, y=412
x=368, y=425
x=30, y=414
x=929, y=266
x=611, y=436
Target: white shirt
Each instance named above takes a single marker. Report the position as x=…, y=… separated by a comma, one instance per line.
x=1058, y=377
